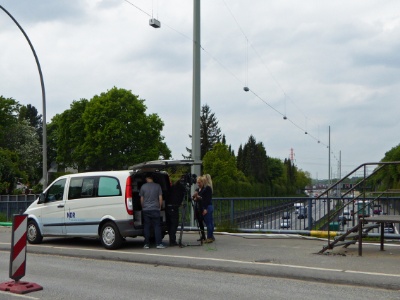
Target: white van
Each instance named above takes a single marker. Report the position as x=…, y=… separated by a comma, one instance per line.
x=96, y=204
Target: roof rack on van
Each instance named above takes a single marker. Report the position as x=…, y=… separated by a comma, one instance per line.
x=165, y=164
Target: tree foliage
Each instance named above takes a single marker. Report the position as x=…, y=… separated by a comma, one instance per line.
x=389, y=177
x=19, y=145
x=264, y=175
x=222, y=165
x=8, y=112
x=210, y=133
x=22, y=139
x=30, y=114
x=252, y=160
x=9, y=171
x=111, y=131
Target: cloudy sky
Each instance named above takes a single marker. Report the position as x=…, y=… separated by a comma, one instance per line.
x=322, y=64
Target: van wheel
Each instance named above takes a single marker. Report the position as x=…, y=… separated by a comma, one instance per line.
x=33, y=233
x=110, y=236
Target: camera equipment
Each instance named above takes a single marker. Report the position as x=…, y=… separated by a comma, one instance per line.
x=188, y=180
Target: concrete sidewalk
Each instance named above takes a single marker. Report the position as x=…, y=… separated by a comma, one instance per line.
x=276, y=255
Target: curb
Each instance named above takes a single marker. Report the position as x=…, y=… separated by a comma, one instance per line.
x=7, y=224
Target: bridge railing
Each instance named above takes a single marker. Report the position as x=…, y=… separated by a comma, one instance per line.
x=264, y=214
x=14, y=204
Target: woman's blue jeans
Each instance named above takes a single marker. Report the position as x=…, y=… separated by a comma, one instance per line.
x=209, y=220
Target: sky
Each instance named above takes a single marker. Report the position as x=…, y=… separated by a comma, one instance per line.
x=332, y=68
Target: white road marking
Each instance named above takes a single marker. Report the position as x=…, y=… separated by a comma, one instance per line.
x=226, y=260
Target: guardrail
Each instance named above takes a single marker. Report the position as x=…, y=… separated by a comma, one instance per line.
x=279, y=214
x=15, y=204
x=262, y=214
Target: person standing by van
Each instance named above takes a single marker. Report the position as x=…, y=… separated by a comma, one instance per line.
x=151, y=201
x=173, y=202
x=209, y=219
x=204, y=198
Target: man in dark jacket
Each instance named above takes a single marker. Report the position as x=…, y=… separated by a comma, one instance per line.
x=173, y=202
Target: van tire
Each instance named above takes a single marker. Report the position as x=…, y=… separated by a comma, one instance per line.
x=110, y=237
x=33, y=234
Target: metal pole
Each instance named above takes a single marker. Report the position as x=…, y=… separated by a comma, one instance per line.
x=329, y=180
x=43, y=99
x=329, y=157
x=340, y=172
x=196, y=100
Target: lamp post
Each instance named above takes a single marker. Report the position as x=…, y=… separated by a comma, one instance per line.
x=43, y=99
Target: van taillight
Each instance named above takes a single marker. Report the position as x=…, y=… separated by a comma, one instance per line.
x=128, y=196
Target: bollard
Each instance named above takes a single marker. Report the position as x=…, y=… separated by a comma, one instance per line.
x=18, y=259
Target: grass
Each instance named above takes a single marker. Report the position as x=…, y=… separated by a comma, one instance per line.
x=3, y=217
x=226, y=226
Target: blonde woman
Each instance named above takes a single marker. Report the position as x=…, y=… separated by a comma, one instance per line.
x=209, y=181
x=205, y=196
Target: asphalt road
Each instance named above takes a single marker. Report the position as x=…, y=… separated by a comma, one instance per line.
x=66, y=278
x=265, y=255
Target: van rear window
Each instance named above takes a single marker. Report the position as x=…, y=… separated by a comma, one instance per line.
x=109, y=186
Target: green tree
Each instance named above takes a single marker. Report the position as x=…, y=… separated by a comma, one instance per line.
x=67, y=133
x=277, y=177
x=9, y=171
x=20, y=144
x=210, y=133
x=23, y=141
x=302, y=180
x=31, y=115
x=388, y=177
x=111, y=131
x=221, y=165
x=8, y=117
x=252, y=160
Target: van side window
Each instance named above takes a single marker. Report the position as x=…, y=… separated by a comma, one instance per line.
x=56, y=191
x=88, y=187
x=81, y=187
x=75, y=188
x=109, y=186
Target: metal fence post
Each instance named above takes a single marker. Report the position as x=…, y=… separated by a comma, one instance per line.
x=309, y=214
x=232, y=211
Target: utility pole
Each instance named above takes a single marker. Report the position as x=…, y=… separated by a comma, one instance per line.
x=196, y=100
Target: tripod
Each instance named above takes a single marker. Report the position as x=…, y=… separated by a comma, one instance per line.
x=183, y=216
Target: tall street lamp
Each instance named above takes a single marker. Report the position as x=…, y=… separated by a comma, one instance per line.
x=43, y=99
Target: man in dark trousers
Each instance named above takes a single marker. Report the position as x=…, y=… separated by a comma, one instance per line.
x=173, y=202
x=151, y=201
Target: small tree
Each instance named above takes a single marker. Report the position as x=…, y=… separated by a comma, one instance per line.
x=210, y=133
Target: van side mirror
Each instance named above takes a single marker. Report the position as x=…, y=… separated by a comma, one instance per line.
x=41, y=198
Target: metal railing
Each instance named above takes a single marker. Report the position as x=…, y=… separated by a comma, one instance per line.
x=263, y=214
x=14, y=204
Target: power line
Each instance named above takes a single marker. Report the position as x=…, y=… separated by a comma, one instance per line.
x=137, y=7
x=236, y=77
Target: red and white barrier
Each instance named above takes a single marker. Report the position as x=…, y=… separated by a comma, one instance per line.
x=18, y=259
x=18, y=249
